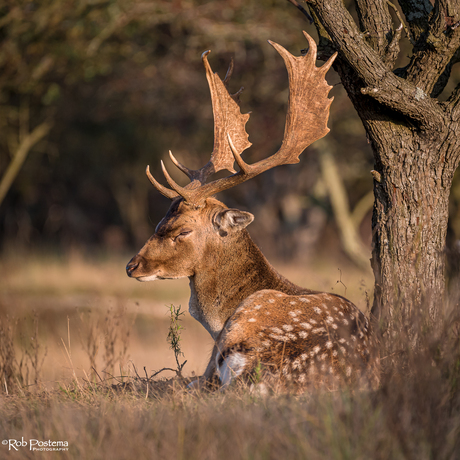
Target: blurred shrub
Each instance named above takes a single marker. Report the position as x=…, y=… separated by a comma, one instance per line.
x=123, y=83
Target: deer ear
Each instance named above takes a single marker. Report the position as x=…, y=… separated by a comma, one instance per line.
x=231, y=219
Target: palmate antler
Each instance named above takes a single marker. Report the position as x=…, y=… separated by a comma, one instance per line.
x=306, y=122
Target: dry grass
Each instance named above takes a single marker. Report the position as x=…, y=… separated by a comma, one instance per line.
x=414, y=414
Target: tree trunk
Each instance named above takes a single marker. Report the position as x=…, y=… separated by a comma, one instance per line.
x=410, y=220
x=413, y=137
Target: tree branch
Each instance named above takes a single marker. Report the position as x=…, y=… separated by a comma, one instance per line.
x=428, y=66
x=393, y=49
x=436, y=49
x=445, y=76
x=302, y=10
x=380, y=83
x=375, y=20
x=20, y=155
x=349, y=236
x=409, y=36
x=417, y=13
x=454, y=101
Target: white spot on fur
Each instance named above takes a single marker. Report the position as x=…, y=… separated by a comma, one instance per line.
x=312, y=321
x=334, y=353
x=348, y=371
x=303, y=334
x=316, y=349
x=291, y=336
x=303, y=299
x=231, y=368
x=345, y=321
x=251, y=320
x=288, y=327
x=281, y=338
x=293, y=314
x=329, y=319
x=293, y=302
x=296, y=363
x=271, y=300
x=306, y=325
x=317, y=330
x=317, y=310
x=304, y=356
x=302, y=378
x=257, y=307
x=329, y=344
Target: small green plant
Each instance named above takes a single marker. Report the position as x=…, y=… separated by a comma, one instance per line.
x=174, y=337
x=257, y=374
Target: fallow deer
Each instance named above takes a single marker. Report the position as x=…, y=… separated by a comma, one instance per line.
x=257, y=318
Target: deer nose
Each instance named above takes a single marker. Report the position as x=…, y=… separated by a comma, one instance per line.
x=132, y=265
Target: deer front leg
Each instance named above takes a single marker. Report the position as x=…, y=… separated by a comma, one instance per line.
x=209, y=373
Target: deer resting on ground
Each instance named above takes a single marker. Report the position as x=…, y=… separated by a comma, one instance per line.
x=261, y=322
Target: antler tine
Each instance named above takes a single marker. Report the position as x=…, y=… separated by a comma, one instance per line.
x=229, y=73
x=188, y=172
x=239, y=161
x=312, y=46
x=182, y=191
x=171, y=194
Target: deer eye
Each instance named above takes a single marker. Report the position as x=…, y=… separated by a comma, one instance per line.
x=182, y=234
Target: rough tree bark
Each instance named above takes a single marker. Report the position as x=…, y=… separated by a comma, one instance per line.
x=414, y=136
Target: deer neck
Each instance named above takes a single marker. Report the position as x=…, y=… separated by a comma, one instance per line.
x=229, y=275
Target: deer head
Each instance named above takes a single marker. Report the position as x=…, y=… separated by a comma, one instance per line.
x=186, y=240
x=197, y=226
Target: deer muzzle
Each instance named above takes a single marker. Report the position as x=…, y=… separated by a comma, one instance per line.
x=132, y=266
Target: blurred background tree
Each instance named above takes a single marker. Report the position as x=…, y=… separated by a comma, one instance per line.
x=92, y=91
